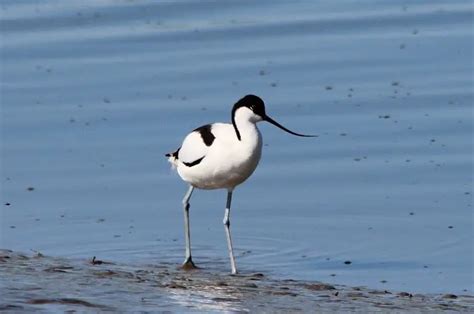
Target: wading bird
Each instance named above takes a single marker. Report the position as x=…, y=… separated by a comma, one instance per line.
x=222, y=156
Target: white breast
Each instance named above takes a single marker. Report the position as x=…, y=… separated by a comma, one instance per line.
x=227, y=162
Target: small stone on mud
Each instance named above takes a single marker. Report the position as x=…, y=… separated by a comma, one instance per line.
x=319, y=287
x=347, y=262
x=30, y=188
x=175, y=286
x=450, y=296
x=356, y=295
x=258, y=275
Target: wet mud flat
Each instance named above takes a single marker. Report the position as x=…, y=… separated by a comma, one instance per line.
x=37, y=282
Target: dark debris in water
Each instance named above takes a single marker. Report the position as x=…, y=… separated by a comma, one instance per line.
x=43, y=283
x=95, y=261
x=67, y=301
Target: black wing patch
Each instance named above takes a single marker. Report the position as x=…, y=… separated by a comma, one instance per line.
x=194, y=163
x=189, y=164
x=207, y=137
x=206, y=134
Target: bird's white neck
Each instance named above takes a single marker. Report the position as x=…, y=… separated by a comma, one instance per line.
x=245, y=124
x=248, y=131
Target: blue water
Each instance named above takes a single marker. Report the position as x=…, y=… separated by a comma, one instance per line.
x=93, y=93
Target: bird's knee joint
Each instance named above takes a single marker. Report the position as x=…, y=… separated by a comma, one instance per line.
x=226, y=222
x=185, y=206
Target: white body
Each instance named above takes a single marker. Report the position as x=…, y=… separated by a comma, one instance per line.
x=228, y=161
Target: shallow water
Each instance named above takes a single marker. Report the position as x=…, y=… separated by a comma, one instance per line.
x=94, y=93
x=59, y=284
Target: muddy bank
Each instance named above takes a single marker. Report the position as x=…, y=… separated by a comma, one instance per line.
x=37, y=282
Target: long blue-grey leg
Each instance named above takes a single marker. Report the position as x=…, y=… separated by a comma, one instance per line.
x=188, y=262
x=227, y=231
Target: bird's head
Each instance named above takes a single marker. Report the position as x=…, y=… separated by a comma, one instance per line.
x=252, y=108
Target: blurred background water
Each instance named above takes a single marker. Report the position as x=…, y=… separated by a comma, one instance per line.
x=93, y=93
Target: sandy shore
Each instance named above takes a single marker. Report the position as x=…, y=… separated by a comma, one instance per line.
x=37, y=282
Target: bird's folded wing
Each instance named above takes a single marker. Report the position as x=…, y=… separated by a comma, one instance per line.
x=193, y=149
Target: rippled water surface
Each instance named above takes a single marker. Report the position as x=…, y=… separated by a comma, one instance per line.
x=93, y=93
